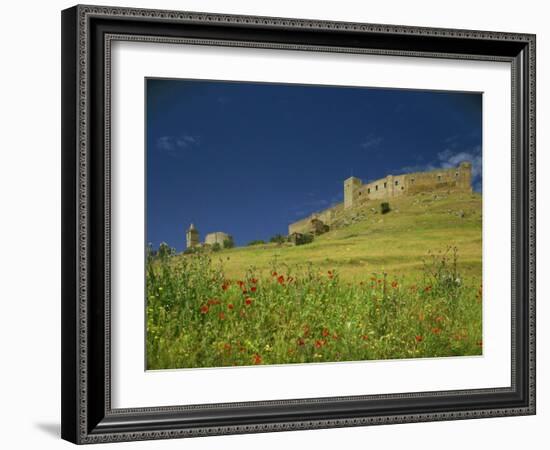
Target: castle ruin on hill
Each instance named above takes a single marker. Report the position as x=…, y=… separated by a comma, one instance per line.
x=356, y=193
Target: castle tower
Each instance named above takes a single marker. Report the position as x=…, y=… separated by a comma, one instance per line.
x=192, y=236
x=464, y=180
x=351, y=185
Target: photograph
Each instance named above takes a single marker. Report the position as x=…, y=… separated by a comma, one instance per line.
x=298, y=224
x=273, y=222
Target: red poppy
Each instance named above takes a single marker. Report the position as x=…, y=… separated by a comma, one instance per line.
x=301, y=341
x=227, y=346
x=330, y=274
x=436, y=330
x=253, y=280
x=213, y=301
x=257, y=359
x=204, y=309
x=245, y=292
x=225, y=286
x=394, y=284
x=427, y=289
x=439, y=319
x=365, y=337
x=281, y=279
x=240, y=283
x=325, y=332
x=248, y=301
x=253, y=289
x=222, y=316
x=334, y=336
x=319, y=343
x=274, y=274
x=230, y=306
x=418, y=338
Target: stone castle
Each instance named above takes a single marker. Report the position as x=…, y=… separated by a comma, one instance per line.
x=193, y=238
x=456, y=179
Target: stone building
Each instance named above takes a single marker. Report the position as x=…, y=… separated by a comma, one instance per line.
x=216, y=238
x=456, y=179
x=192, y=237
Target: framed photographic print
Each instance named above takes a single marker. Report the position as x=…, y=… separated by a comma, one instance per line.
x=281, y=224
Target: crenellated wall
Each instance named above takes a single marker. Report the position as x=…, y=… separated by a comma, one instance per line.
x=355, y=192
x=454, y=178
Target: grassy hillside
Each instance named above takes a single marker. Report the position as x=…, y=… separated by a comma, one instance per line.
x=366, y=290
x=364, y=241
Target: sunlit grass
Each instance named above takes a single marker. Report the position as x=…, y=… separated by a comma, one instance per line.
x=369, y=289
x=196, y=317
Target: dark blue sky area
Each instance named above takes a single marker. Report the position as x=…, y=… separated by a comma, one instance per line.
x=249, y=158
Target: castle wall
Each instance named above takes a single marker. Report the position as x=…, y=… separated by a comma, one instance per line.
x=326, y=216
x=454, y=178
x=356, y=193
x=390, y=186
x=301, y=226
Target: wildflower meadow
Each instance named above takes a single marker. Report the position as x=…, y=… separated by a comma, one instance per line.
x=199, y=317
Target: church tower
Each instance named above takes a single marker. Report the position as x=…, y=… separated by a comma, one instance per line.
x=192, y=236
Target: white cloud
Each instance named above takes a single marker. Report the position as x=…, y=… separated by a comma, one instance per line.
x=172, y=144
x=165, y=143
x=185, y=141
x=371, y=141
x=449, y=158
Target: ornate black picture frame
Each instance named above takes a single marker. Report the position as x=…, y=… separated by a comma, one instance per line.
x=87, y=34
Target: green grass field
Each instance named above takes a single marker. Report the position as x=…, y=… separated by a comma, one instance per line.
x=404, y=284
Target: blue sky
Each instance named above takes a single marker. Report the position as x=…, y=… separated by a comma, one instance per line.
x=249, y=158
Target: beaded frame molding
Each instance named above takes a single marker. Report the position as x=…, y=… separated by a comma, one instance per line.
x=87, y=35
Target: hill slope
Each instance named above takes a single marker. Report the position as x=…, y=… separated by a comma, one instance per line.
x=199, y=316
x=363, y=241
